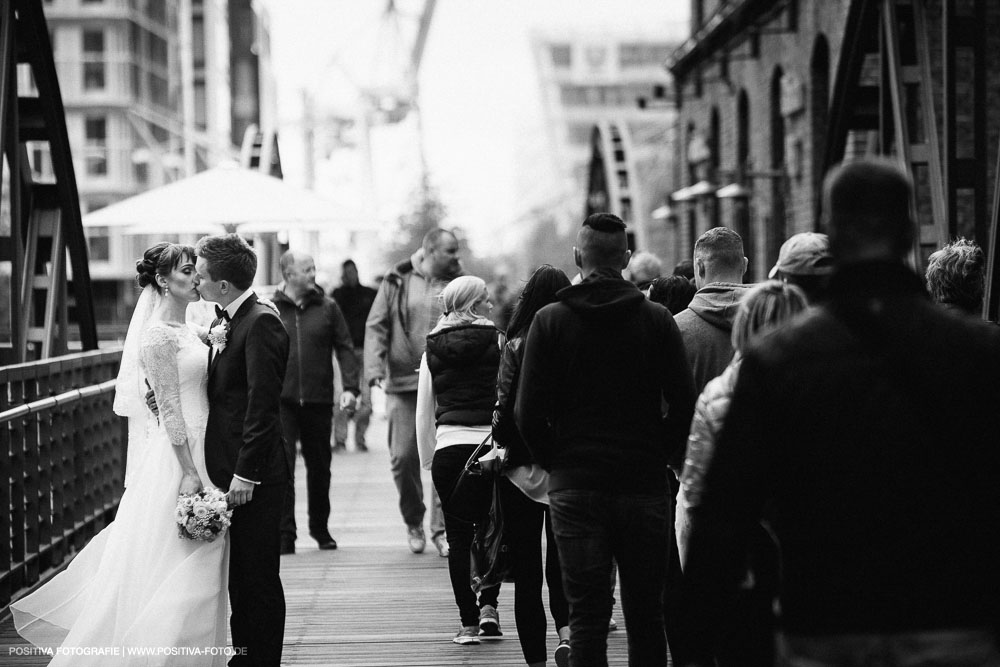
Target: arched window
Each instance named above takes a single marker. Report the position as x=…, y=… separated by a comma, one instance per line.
x=714, y=143
x=819, y=74
x=741, y=206
x=777, y=229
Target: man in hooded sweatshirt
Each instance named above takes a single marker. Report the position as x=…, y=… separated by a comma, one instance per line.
x=707, y=324
x=598, y=366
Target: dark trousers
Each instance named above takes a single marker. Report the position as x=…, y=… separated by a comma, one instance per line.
x=256, y=597
x=591, y=529
x=445, y=468
x=523, y=521
x=311, y=425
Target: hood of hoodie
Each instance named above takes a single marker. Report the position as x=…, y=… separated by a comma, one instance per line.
x=602, y=294
x=463, y=344
x=717, y=303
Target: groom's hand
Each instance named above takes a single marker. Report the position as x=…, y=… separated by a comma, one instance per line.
x=240, y=492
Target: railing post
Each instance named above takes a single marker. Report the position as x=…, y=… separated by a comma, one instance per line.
x=6, y=435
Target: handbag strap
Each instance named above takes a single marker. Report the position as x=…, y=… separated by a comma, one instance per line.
x=472, y=465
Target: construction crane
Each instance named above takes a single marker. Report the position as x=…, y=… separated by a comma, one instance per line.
x=388, y=94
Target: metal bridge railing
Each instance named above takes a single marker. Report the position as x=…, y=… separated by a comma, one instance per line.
x=61, y=459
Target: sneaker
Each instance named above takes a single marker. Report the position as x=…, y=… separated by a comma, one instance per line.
x=467, y=634
x=561, y=655
x=441, y=542
x=415, y=536
x=489, y=621
x=360, y=446
x=612, y=625
x=340, y=447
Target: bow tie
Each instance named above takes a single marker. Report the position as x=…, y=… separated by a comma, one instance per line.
x=222, y=314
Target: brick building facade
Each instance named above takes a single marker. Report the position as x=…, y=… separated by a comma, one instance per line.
x=759, y=88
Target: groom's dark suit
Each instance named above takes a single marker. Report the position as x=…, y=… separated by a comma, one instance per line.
x=243, y=437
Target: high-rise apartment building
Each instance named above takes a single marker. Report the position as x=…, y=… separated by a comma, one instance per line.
x=154, y=90
x=597, y=81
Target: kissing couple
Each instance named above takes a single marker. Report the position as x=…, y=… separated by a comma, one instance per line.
x=136, y=585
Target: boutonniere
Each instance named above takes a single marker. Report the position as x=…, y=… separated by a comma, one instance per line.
x=217, y=336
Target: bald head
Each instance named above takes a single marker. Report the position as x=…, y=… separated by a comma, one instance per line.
x=867, y=204
x=601, y=243
x=299, y=273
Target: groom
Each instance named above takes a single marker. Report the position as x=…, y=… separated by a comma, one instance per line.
x=243, y=446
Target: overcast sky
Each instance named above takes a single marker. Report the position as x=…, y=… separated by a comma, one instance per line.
x=478, y=89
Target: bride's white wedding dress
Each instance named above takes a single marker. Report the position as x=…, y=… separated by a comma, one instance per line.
x=138, y=594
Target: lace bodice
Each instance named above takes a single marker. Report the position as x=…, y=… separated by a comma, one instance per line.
x=175, y=362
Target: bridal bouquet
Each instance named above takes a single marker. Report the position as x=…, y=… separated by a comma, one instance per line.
x=202, y=516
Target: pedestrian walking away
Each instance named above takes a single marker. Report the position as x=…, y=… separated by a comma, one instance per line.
x=524, y=489
x=455, y=396
x=599, y=365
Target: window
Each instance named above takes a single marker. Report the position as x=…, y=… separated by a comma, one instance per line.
x=99, y=244
x=93, y=60
x=96, y=151
x=638, y=55
x=562, y=56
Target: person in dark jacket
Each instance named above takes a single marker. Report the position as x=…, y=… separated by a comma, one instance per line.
x=867, y=427
x=316, y=329
x=598, y=366
x=355, y=301
x=524, y=488
x=456, y=389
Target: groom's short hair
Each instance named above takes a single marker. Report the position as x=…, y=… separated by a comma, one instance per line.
x=229, y=258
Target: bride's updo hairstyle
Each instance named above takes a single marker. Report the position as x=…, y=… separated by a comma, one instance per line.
x=160, y=259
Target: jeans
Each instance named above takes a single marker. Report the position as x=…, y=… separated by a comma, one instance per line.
x=405, y=461
x=524, y=521
x=361, y=416
x=934, y=648
x=309, y=424
x=445, y=468
x=591, y=529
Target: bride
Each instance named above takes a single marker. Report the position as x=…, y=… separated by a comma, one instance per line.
x=137, y=593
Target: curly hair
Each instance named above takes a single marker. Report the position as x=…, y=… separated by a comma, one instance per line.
x=956, y=275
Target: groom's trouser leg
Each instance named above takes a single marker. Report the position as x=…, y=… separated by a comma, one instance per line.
x=255, y=593
x=314, y=432
x=402, y=412
x=290, y=432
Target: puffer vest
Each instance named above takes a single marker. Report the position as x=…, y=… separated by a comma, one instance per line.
x=463, y=361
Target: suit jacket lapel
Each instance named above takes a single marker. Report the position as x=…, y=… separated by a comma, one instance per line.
x=243, y=310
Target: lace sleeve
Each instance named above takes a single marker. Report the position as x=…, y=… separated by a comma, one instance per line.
x=159, y=358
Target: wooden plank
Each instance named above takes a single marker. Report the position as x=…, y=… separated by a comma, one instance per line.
x=370, y=603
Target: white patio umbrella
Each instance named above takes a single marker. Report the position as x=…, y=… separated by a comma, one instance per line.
x=224, y=198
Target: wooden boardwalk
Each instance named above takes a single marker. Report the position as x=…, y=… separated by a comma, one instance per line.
x=371, y=602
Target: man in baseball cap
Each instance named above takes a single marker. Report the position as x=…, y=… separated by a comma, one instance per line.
x=805, y=261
